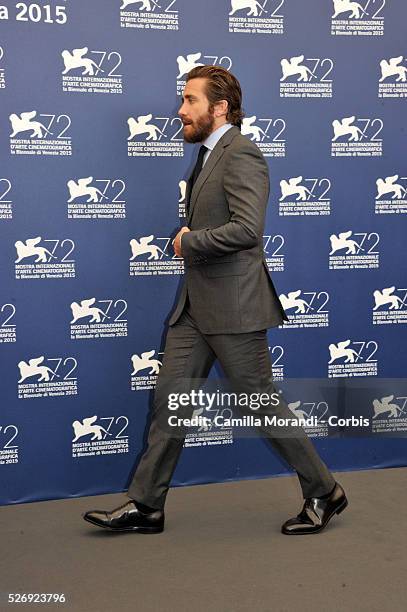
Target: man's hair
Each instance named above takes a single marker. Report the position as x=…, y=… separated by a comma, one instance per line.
x=221, y=85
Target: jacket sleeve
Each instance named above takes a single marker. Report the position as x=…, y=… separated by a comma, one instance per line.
x=246, y=185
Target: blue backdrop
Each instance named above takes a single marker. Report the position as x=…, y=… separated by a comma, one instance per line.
x=92, y=178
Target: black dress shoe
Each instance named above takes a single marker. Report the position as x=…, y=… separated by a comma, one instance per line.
x=127, y=518
x=316, y=513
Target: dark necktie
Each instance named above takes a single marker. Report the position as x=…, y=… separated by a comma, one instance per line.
x=197, y=169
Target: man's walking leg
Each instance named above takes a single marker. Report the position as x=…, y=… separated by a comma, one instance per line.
x=187, y=361
x=246, y=362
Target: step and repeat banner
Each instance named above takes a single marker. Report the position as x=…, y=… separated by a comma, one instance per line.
x=93, y=170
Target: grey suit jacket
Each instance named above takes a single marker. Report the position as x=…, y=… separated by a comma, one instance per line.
x=226, y=275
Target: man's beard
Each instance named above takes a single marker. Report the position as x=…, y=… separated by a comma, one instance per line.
x=202, y=128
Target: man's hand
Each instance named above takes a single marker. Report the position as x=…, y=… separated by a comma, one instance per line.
x=177, y=240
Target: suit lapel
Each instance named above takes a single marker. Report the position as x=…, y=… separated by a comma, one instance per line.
x=213, y=159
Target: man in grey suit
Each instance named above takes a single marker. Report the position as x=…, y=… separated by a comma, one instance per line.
x=226, y=304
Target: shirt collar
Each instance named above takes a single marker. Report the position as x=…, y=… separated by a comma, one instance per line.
x=213, y=138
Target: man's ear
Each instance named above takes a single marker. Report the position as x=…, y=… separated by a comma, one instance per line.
x=221, y=108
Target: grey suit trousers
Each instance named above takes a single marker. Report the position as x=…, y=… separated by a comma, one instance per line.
x=245, y=361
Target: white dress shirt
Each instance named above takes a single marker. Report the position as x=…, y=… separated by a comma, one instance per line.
x=213, y=138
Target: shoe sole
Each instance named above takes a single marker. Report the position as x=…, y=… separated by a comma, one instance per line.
x=337, y=511
x=146, y=530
